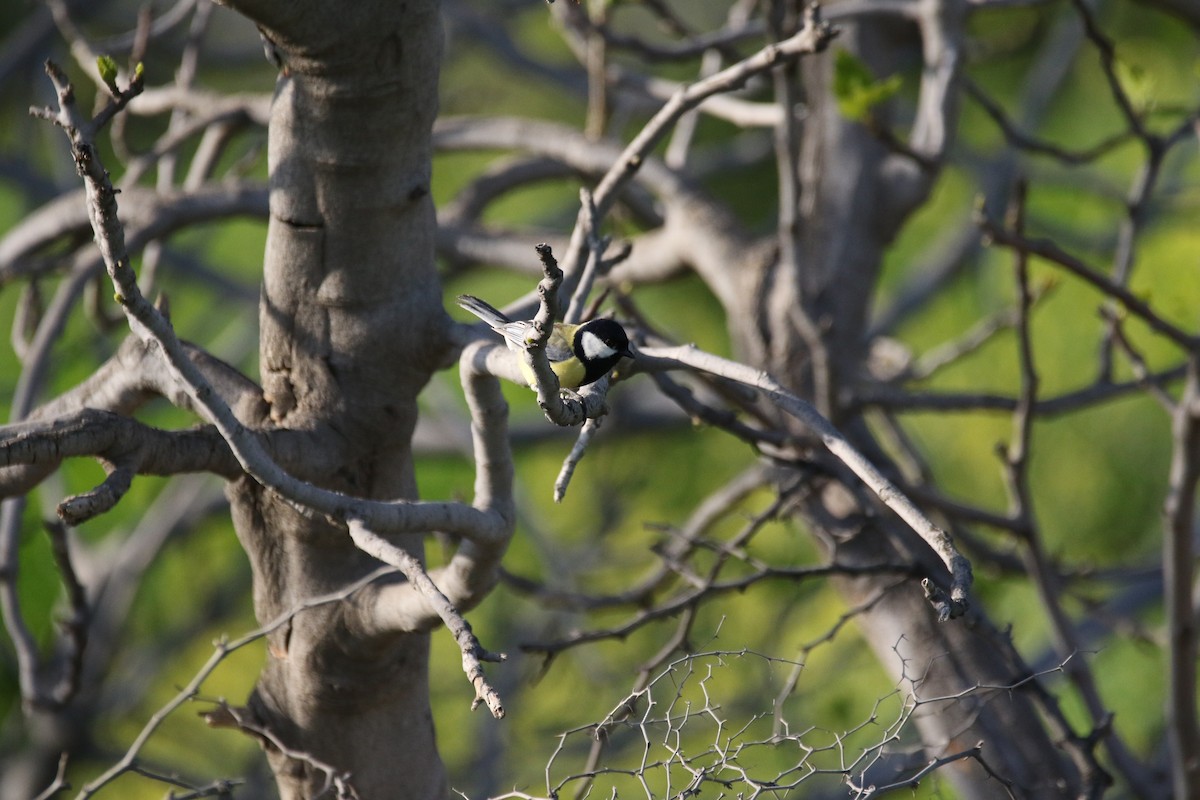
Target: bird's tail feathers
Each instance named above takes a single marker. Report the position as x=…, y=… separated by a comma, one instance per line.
x=488, y=313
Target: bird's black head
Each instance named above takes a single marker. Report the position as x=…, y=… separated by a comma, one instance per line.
x=600, y=344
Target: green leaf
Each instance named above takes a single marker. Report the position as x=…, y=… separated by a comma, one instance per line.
x=108, y=72
x=856, y=88
x=138, y=71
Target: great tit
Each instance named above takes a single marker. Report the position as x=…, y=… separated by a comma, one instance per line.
x=578, y=354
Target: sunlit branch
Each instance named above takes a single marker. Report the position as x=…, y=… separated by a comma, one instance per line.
x=948, y=606
x=473, y=653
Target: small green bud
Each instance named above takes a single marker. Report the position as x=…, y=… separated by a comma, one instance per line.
x=139, y=71
x=108, y=72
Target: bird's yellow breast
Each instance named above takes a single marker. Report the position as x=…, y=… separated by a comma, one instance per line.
x=570, y=373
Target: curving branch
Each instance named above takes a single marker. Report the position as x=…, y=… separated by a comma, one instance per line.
x=442, y=594
x=949, y=605
x=420, y=581
x=130, y=447
x=813, y=37
x=148, y=214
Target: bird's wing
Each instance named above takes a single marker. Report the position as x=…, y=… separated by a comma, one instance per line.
x=558, y=346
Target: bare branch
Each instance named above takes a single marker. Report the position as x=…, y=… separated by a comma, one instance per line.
x=1108, y=63
x=43, y=444
x=149, y=214
x=682, y=542
x=472, y=652
x=1141, y=370
x=1051, y=252
x=813, y=37
x=767, y=439
x=948, y=606
x=982, y=332
x=597, y=245
x=693, y=45
x=1085, y=397
x=589, y=430
x=226, y=715
x=1038, y=564
x=474, y=567
x=60, y=783
x=726, y=106
x=1031, y=144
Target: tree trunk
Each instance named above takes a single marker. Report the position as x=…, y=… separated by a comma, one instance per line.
x=352, y=327
x=854, y=192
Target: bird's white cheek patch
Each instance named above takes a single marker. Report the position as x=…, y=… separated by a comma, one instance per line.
x=594, y=347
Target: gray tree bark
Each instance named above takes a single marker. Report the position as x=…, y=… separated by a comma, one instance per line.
x=853, y=193
x=352, y=327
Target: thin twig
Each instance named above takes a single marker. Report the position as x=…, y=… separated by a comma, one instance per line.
x=1051, y=252
x=586, y=434
x=226, y=715
x=1031, y=144
x=597, y=245
x=59, y=783
x=473, y=653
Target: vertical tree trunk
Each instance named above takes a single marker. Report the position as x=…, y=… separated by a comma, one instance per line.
x=352, y=327
x=854, y=195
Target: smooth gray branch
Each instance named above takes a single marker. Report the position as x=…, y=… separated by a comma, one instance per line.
x=949, y=605
x=473, y=653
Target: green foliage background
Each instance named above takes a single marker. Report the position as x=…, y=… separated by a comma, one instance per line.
x=1099, y=476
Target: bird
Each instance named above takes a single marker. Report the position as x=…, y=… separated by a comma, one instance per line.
x=578, y=354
